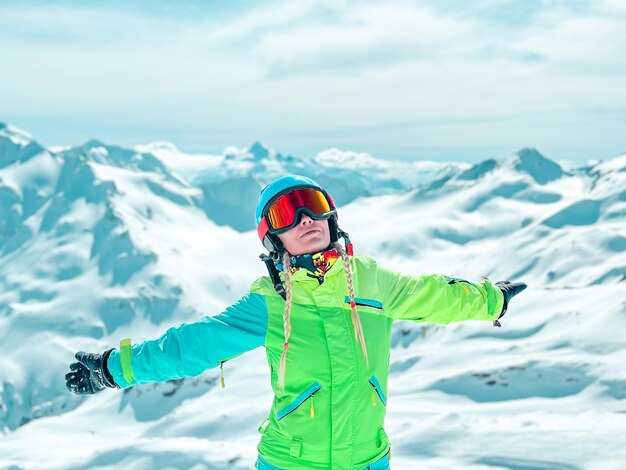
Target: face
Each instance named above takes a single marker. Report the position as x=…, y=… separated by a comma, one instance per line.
x=299, y=241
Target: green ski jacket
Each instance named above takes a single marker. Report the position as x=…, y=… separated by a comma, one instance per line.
x=331, y=414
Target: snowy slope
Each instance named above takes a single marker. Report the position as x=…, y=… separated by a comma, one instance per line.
x=98, y=243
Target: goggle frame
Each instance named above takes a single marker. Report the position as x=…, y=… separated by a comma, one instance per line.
x=265, y=227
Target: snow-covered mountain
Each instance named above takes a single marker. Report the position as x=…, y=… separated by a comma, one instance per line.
x=349, y=175
x=98, y=243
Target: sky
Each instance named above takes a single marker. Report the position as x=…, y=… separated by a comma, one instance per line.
x=406, y=80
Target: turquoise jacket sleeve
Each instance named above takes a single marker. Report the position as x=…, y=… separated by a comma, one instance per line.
x=191, y=348
x=438, y=298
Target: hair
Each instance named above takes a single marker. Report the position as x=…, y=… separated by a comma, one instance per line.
x=358, y=329
x=356, y=321
x=286, y=314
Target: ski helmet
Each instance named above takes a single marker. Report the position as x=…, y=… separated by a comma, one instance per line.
x=302, y=195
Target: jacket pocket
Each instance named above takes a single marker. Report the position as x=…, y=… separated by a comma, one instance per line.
x=377, y=390
x=366, y=302
x=300, y=399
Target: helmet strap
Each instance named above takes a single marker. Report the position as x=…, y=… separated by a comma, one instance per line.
x=347, y=242
x=274, y=276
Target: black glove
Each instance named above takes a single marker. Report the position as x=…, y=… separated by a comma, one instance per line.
x=509, y=289
x=89, y=374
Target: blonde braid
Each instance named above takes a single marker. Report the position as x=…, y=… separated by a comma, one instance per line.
x=358, y=329
x=283, y=358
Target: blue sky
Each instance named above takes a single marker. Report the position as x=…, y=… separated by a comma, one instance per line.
x=439, y=79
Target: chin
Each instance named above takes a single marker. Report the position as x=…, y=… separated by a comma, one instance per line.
x=319, y=246
x=313, y=247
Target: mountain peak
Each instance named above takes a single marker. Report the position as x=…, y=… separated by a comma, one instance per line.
x=529, y=153
x=16, y=145
x=259, y=151
x=91, y=143
x=542, y=169
x=18, y=136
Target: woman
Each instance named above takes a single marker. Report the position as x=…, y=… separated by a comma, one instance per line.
x=324, y=316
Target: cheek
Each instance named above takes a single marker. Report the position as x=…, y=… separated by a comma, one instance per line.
x=284, y=238
x=287, y=237
x=326, y=228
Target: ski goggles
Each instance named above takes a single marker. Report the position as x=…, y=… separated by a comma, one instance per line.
x=284, y=212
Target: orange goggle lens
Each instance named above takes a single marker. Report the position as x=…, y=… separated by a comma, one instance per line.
x=282, y=212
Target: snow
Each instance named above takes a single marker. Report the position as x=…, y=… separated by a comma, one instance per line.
x=17, y=136
x=99, y=243
x=186, y=165
x=352, y=160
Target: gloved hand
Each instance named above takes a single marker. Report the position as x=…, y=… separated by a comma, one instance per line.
x=90, y=374
x=509, y=290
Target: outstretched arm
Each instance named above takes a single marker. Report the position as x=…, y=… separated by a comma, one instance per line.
x=191, y=348
x=438, y=298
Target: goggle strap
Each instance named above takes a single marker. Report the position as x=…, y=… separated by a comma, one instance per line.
x=262, y=228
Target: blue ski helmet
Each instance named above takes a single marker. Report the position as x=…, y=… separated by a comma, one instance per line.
x=272, y=192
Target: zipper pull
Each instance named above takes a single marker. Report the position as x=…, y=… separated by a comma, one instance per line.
x=222, y=368
x=373, y=398
x=312, y=407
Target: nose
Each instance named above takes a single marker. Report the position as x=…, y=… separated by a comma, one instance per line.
x=305, y=218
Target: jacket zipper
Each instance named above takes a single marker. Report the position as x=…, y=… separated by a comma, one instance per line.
x=316, y=388
x=222, y=369
x=376, y=390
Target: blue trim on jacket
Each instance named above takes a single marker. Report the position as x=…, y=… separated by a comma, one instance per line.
x=191, y=348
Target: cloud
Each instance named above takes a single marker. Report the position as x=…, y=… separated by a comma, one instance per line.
x=289, y=70
x=592, y=43
x=367, y=36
